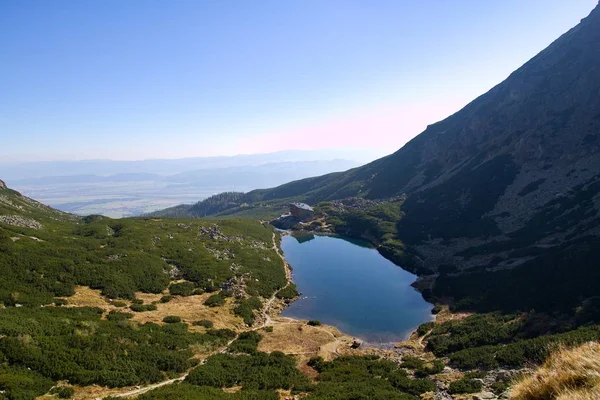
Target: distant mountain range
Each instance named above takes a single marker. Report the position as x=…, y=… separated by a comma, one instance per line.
x=245, y=175
x=508, y=185
x=13, y=172
x=90, y=187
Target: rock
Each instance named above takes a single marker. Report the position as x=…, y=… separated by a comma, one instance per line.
x=442, y=395
x=2, y=185
x=504, y=375
x=505, y=395
x=215, y=233
x=17, y=220
x=485, y=396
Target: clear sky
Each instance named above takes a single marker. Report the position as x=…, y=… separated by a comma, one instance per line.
x=135, y=79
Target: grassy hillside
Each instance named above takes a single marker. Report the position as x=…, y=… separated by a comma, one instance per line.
x=46, y=255
x=132, y=331
x=568, y=374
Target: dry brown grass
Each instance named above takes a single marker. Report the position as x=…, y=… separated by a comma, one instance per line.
x=296, y=338
x=190, y=309
x=86, y=297
x=568, y=374
x=446, y=315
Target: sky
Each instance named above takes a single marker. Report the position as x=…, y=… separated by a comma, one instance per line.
x=140, y=79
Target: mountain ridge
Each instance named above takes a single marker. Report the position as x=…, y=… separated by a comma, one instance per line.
x=510, y=180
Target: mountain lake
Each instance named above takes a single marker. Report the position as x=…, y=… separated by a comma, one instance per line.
x=346, y=283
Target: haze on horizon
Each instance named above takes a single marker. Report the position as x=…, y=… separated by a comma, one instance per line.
x=139, y=80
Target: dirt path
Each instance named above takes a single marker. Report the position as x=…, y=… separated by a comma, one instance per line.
x=145, y=389
x=267, y=321
x=326, y=350
x=288, y=275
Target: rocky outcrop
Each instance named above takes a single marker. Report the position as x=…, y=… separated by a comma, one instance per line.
x=2, y=185
x=17, y=220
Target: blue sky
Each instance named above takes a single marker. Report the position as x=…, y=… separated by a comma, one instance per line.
x=154, y=79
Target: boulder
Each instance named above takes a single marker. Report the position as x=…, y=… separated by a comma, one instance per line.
x=485, y=396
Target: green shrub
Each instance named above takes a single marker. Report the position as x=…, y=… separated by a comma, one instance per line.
x=252, y=372
x=314, y=322
x=63, y=392
x=316, y=362
x=465, y=385
x=215, y=300
x=268, y=329
x=422, y=368
x=226, y=334
x=289, y=292
x=245, y=308
x=119, y=304
x=19, y=383
x=499, y=387
x=171, y=319
x=246, y=342
x=166, y=299
x=142, y=307
x=118, y=316
x=411, y=362
x=186, y=391
x=423, y=329
x=203, y=322
x=182, y=289
x=77, y=345
x=60, y=302
x=365, y=377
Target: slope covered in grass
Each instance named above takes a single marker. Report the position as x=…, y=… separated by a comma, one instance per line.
x=568, y=374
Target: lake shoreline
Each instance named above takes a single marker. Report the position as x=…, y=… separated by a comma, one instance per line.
x=365, y=340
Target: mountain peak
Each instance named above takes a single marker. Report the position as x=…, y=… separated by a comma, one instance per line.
x=2, y=185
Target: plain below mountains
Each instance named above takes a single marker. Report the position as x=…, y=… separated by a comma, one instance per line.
x=497, y=206
x=140, y=191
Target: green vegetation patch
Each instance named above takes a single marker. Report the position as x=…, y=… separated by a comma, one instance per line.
x=365, y=377
x=465, y=385
x=77, y=345
x=247, y=342
x=186, y=391
x=488, y=341
x=204, y=323
x=422, y=368
x=182, y=289
x=258, y=371
x=19, y=383
x=246, y=308
x=125, y=256
x=289, y=292
x=215, y=300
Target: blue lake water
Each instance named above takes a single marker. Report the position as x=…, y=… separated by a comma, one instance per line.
x=349, y=285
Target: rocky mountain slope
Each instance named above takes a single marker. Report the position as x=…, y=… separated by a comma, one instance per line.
x=509, y=181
